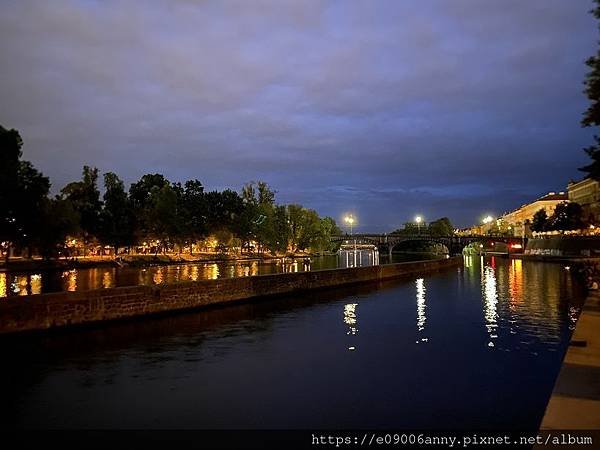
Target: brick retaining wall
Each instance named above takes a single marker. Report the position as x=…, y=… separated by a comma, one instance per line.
x=44, y=311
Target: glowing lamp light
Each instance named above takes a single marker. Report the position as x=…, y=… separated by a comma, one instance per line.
x=516, y=246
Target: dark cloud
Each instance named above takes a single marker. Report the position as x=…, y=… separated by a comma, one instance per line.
x=385, y=108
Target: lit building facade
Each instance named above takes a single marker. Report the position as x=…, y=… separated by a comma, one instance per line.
x=518, y=218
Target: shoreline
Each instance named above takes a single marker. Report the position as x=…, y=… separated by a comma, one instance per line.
x=575, y=400
x=67, y=309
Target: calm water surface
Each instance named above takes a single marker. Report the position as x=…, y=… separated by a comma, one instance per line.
x=472, y=348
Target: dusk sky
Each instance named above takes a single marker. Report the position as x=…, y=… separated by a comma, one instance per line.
x=387, y=109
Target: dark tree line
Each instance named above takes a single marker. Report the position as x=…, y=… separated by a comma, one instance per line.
x=439, y=227
x=171, y=215
x=566, y=216
x=591, y=116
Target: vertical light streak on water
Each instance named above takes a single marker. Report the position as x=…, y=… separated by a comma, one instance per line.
x=3, y=287
x=351, y=320
x=107, y=281
x=71, y=278
x=421, y=306
x=212, y=272
x=490, y=302
x=158, y=276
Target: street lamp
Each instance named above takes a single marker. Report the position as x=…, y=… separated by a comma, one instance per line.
x=486, y=221
x=349, y=219
x=419, y=219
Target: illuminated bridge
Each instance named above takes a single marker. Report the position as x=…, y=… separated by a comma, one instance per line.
x=455, y=244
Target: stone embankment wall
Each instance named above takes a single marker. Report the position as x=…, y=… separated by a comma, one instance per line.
x=45, y=311
x=564, y=246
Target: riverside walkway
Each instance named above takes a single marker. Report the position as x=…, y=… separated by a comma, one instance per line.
x=575, y=401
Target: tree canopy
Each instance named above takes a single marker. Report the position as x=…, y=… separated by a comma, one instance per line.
x=591, y=116
x=172, y=215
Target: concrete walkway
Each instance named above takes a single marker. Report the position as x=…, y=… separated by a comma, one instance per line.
x=575, y=401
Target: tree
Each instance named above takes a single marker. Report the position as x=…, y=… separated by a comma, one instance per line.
x=224, y=210
x=141, y=196
x=85, y=198
x=260, y=211
x=23, y=190
x=539, y=221
x=328, y=228
x=305, y=228
x=10, y=154
x=441, y=227
x=59, y=220
x=591, y=117
x=408, y=228
x=32, y=192
x=116, y=219
x=566, y=216
x=194, y=210
x=164, y=220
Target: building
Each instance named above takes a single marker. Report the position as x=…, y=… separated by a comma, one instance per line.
x=587, y=193
x=515, y=221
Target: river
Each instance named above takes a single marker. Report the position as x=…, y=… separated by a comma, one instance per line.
x=477, y=347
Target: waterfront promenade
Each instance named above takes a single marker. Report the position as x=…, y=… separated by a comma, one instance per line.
x=575, y=401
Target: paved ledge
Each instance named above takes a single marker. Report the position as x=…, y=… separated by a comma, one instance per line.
x=63, y=309
x=575, y=401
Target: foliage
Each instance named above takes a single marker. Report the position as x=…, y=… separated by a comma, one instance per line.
x=566, y=216
x=116, y=226
x=194, y=210
x=539, y=221
x=440, y=227
x=23, y=191
x=10, y=153
x=60, y=220
x=85, y=199
x=591, y=117
x=153, y=210
x=141, y=197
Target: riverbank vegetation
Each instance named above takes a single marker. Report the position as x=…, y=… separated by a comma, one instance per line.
x=154, y=216
x=566, y=216
x=439, y=227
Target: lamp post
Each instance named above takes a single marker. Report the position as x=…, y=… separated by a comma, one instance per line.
x=418, y=219
x=349, y=219
x=488, y=220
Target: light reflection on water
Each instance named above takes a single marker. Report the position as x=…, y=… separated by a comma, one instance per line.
x=291, y=362
x=490, y=300
x=421, y=316
x=15, y=283
x=521, y=302
x=106, y=277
